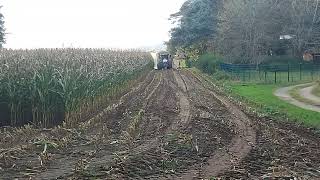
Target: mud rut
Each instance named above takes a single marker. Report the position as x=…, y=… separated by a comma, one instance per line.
x=171, y=125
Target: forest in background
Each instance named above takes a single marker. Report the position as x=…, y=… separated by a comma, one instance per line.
x=246, y=31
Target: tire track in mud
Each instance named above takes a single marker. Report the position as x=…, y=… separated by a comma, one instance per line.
x=173, y=102
x=184, y=114
x=185, y=89
x=64, y=166
x=178, y=123
x=62, y=162
x=153, y=142
x=121, y=101
x=240, y=145
x=160, y=103
x=163, y=81
x=152, y=86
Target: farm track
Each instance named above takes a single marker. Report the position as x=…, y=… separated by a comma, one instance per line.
x=313, y=101
x=171, y=125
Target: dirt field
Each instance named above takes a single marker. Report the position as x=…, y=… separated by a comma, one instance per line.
x=170, y=125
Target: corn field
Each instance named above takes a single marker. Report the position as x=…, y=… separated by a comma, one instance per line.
x=46, y=87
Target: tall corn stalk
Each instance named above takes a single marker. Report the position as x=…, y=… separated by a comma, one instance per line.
x=47, y=86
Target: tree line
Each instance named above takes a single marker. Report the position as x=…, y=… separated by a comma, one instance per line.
x=246, y=30
x=2, y=29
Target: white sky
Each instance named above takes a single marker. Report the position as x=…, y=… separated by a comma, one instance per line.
x=87, y=23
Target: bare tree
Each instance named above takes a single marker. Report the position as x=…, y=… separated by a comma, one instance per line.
x=249, y=29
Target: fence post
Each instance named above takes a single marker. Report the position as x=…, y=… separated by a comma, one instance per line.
x=259, y=72
x=265, y=76
x=231, y=72
x=312, y=66
x=275, y=76
x=300, y=69
x=244, y=75
x=288, y=73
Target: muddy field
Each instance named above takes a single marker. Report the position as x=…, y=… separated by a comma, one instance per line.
x=170, y=125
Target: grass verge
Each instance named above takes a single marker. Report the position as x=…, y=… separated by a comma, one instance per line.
x=262, y=101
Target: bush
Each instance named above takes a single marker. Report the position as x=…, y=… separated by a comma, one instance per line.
x=208, y=63
x=221, y=76
x=189, y=63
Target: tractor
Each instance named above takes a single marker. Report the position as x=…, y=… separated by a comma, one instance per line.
x=162, y=60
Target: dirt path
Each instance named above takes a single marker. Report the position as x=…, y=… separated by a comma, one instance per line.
x=284, y=94
x=307, y=93
x=170, y=125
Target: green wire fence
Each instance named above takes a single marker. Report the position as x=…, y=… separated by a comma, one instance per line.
x=272, y=73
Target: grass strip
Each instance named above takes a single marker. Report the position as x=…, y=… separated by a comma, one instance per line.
x=261, y=100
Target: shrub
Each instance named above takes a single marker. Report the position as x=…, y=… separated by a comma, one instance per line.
x=208, y=63
x=189, y=63
x=221, y=76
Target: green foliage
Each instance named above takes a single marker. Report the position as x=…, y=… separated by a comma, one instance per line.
x=221, y=76
x=189, y=63
x=196, y=23
x=208, y=63
x=47, y=144
x=47, y=86
x=246, y=31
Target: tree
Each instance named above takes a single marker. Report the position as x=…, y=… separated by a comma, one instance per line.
x=304, y=24
x=249, y=29
x=2, y=30
x=196, y=24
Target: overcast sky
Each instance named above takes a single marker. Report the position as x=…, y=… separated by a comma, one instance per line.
x=87, y=23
